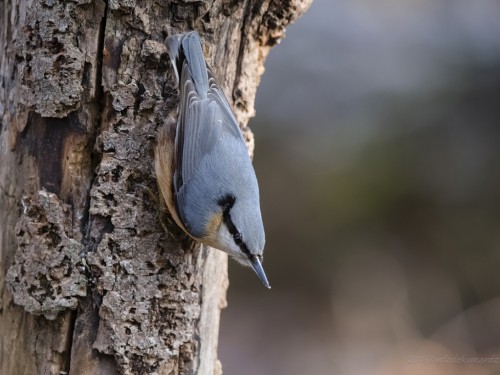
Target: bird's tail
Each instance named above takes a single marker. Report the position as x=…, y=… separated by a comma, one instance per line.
x=186, y=48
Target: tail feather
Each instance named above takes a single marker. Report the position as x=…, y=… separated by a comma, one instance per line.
x=185, y=51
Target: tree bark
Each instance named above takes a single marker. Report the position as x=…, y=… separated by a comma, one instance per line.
x=90, y=283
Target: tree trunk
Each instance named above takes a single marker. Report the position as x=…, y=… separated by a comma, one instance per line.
x=90, y=283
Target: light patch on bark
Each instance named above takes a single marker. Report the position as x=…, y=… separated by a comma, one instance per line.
x=52, y=63
x=48, y=272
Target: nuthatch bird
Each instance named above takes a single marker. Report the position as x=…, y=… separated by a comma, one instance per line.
x=202, y=165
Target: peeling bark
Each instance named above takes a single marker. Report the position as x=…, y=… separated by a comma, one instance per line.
x=48, y=275
x=94, y=284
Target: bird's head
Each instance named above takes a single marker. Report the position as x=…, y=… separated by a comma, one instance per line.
x=237, y=229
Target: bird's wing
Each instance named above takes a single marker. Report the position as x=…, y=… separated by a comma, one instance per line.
x=203, y=122
x=217, y=95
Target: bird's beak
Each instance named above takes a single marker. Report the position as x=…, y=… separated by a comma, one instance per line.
x=257, y=267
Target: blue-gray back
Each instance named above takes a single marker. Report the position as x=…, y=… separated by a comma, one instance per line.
x=211, y=159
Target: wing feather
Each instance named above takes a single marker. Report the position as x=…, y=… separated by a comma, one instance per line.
x=202, y=123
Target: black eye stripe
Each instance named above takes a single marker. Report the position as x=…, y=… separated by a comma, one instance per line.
x=238, y=238
x=226, y=203
x=229, y=224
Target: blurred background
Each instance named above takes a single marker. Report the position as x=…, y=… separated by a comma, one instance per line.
x=377, y=152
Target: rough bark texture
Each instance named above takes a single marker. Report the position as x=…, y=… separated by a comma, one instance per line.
x=90, y=283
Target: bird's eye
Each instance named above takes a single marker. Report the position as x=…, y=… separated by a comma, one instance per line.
x=238, y=238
